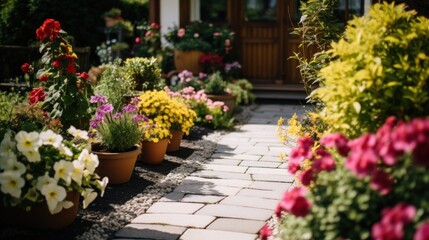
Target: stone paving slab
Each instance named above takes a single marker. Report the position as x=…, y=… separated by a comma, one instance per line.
x=237, y=156
x=261, y=193
x=254, y=202
x=201, y=198
x=236, y=225
x=273, y=178
x=259, y=170
x=181, y=220
x=230, y=211
x=220, y=161
x=204, y=189
x=206, y=234
x=259, y=164
x=172, y=197
x=224, y=168
x=149, y=231
x=239, y=183
x=274, y=186
x=221, y=175
x=174, y=207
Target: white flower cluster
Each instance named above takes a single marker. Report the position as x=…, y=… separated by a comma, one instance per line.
x=19, y=155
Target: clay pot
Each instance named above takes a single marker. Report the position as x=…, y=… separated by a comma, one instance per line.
x=153, y=152
x=39, y=216
x=188, y=60
x=228, y=99
x=118, y=167
x=175, y=140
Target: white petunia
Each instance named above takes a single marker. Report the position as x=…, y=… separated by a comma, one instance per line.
x=65, y=150
x=13, y=164
x=103, y=184
x=50, y=138
x=77, y=172
x=53, y=195
x=11, y=183
x=27, y=141
x=44, y=180
x=62, y=205
x=7, y=145
x=77, y=133
x=90, y=160
x=88, y=196
x=63, y=170
x=32, y=155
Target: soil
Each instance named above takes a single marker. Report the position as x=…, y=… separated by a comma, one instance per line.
x=143, y=176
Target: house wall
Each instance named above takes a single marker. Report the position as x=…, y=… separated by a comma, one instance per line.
x=169, y=11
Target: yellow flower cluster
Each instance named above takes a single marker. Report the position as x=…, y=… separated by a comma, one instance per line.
x=165, y=114
x=293, y=130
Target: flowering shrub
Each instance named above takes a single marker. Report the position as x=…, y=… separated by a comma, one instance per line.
x=211, y=62
x=120, y=131
x=42, y=166
x=373, y=186
x=208, y=113
x=165, y=114
x=63, y=93
x=187, y=79
x=148, y=42
x=145, y=73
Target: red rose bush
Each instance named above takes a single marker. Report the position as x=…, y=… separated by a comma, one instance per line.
x=371, y=187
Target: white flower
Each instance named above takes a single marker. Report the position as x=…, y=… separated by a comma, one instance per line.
x=103, y=184
x=32, y=155
x=88, y=196
x=50, y=138
x=63, y=170
x=11, y=183
x=90, y=160
x=13, y=164
x=77, y=172
x=65, y=150
x=53, y=195
x=62, y=205
x=6, y=159
x=78, y=134
x=7, y=145
x=32, y=195
x=44, y=180
x=27, y=141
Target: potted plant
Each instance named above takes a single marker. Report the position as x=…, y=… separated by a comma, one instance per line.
x=145, y=73
x=118, y=137
x=216, y=90
x=42, y=175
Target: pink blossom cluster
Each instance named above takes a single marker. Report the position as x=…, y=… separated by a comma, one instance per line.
x=185, y=76
x=230, y=66
x=392, y=222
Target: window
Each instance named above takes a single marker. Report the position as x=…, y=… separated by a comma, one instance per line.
x=213, y=11
x=260, y=10
x=349, y=8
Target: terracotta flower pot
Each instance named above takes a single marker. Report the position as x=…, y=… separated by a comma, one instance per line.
x=228, y=99
x=153, y=152
x=175, y=140
x=118, y=167
x=39, y=216
x=188, y=60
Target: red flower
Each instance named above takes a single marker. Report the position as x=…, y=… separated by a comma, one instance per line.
x=293, y=165
x=336, y=140
x=26, y=67
x=306, y=177
x=83, y=75
x=422, y=232
x=393, y=221
x=56, y=63
x=362, y=163
x=295, y=202
x=138, y=40
x=50, y=29
x=43, y=78
x=265, y=232
x=36, y=95
x=71, y=68
x=382, y=182
x=324, y=162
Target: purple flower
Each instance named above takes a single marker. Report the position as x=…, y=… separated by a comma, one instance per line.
x=135, y=100
x=129, y=108
x=202, y=75
x=138, y=118
x=117, y=115
x=98, y=99
x=106, y=108
x=94, y=123
x=185, y=74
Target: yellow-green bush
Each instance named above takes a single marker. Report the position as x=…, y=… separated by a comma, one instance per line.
x=381, y=69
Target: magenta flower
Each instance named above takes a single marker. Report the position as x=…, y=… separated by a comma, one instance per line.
x=294, y=201
x=98, y=99
x=135, y=100
x=138, y=118
x=209, y=117
x=381, y=182
x=392, y=222
x=106, y=108
x=306, y=177
x=265, y=232
x=294, y=165
x=338, y=141
x=324, y=161
x=362, y=162
x=117, y=115
x=94, y=123
x=129, y=108
x=422, y=232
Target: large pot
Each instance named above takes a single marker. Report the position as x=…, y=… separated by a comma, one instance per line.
x=153, y=153
x=175, y=140
x=188, y=60
x=39, y=216
x=118, y=167
x=228, y=99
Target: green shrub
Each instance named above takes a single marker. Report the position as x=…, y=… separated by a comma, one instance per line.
x=8, y=101
x=215, y=84
x=242, y=88
x=381, y=69
x=145, y=73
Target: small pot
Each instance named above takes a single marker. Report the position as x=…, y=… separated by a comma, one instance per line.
x=153, y=153
x=228, y=99
x=118, y=167
x=175, y=140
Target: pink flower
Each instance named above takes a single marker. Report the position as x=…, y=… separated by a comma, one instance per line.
x=216, y=34
x=324, y=161
x=306, y=177
x=135, y=100
x=138, y=40
x=382, y=182
x=393, y=221
x=149, y=34
x=98, y=99
x=294, y=201
x=129, y=108
x=227, y=42
x=336, y=140
x=181, y=32
x=202, y=75
x=265, y=232
x=209, y=117
x=196, y=35
x=422, y=232
x=294, y=165
x=362, y=162
x=106, y=108
x=225, y=108
x=83, y=75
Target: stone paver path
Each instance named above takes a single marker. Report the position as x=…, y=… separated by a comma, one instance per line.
x=234, y=194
